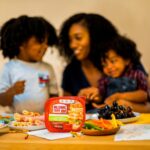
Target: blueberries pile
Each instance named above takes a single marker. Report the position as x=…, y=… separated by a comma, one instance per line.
x=119, y=111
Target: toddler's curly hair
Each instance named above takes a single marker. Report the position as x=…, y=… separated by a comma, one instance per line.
x=17, y=31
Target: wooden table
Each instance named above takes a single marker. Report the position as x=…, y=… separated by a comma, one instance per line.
x=17, y=141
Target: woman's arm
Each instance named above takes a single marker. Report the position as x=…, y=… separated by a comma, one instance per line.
x=91, y=94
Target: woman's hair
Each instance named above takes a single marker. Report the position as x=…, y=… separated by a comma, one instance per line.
x=100, y=30
x=16, y=31
x=122, y=46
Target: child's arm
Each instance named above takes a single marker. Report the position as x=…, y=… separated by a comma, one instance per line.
x=139, y=95
x=134, y=96
x=137, y=107
x=6, y=98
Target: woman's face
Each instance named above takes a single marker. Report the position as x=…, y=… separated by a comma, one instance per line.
x=79, y=41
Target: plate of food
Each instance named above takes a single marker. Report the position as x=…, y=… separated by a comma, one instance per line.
x=6, y=118
x=131, y=119
x=4, y=128
x=123, y=120
x=123, y=113
x=100, y=127
x=2, y=125
x=25, y=126
x=28, y=121
x=100, y=132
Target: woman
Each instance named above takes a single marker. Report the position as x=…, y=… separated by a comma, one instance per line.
x=81, y=38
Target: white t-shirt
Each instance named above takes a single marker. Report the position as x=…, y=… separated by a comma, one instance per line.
x=40, y=82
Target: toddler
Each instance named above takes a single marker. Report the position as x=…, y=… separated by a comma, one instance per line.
x=121, y=82
x=26, y=82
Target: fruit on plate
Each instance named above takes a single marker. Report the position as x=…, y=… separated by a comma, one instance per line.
x=101, y=126
x=119, y=111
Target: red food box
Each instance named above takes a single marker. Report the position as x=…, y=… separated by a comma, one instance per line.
x=65, y=114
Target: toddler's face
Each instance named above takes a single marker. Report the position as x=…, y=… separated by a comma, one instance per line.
x=32, y=50
x=79, y=41
x=114, y=65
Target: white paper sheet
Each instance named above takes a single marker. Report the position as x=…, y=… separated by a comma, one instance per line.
x=133, y=132
x=49, y=135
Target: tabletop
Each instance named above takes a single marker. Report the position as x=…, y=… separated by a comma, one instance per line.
x=19, y=141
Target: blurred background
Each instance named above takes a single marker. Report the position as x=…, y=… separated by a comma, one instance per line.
x=131, y=17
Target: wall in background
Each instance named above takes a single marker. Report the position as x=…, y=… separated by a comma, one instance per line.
x=131, y=17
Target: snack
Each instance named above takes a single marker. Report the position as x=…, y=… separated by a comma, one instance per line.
x=101, y=127
x=28, y=118
x=119, y=111
x=6, y=119
x=99, y=132
x=64, y=114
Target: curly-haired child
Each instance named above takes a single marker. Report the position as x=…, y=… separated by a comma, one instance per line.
x=121, y=82
x=26, y=82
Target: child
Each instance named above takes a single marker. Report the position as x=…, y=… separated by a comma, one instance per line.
x=26, y=82
x=121, y=82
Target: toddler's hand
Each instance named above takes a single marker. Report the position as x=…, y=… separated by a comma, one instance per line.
x=18, y=87
x=112, y=98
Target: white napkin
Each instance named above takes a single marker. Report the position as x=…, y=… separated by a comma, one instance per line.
x=49, y=135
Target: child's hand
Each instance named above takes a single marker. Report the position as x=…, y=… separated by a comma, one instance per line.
x=124, y=102
x=112, y=98
x=91, y=93
x=18, y=87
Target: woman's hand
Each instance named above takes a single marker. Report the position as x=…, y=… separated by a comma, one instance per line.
x=98, y=105
x=91, y=94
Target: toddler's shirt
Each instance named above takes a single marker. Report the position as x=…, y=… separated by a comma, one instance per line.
x=132, y=80
x=40, y=82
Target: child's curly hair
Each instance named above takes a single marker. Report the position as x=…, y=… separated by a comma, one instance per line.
x=122, y=46
x=16, y=31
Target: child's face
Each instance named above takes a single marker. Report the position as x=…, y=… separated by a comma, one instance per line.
x=32, y=50
x=79, y=41
x=114, y=65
